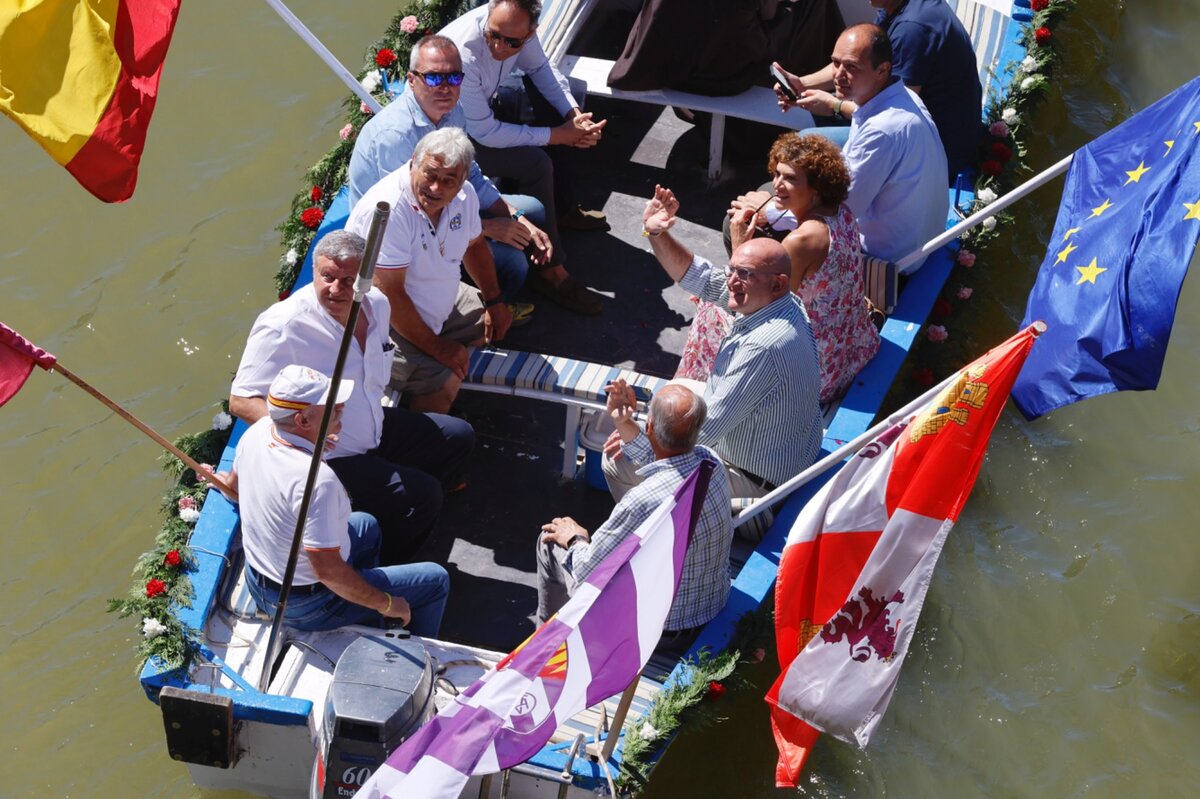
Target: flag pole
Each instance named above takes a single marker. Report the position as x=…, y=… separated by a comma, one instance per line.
x=324, y=53
x=618, y=719
x=362, y=285
x=850, y=447
x=988, y=211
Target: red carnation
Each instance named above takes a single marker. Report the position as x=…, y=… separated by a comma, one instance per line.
x=1039, y=5
x=316, y=194
x=715, y=691
x=1001, y=152
x=991, y=167
x=173, y=558
x=155, y=587
x=283, y=295
x=1042, y=35
x=923, y=377
x=942, y=308
x=312, y=217
x=385, y=57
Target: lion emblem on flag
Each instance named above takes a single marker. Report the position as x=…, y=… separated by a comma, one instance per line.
x=864, y=623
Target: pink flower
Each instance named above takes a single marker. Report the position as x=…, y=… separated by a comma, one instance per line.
x=964, y=292
x=366, y=109
x=409, y=24
x=344, y=133
x=937, y=333
x=758, y=655
x=966, y=257
x=998, y=129
x=187, y=502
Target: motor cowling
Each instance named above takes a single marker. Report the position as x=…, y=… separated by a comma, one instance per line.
x=382, y=691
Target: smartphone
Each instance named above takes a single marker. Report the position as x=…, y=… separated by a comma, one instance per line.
x=784, y=86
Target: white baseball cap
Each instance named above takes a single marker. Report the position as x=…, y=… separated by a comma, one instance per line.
x=298, y=387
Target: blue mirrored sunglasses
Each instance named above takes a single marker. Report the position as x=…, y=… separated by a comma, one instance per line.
x=434, y=79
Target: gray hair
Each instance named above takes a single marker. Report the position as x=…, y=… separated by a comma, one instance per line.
x=531, y=7
x=449, y=145
x=676, y=415
x=341, y=247
x=436, y=42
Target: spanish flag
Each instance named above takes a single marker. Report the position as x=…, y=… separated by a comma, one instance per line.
x=81, y=77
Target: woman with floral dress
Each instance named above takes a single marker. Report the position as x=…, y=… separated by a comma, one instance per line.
x=810, y=180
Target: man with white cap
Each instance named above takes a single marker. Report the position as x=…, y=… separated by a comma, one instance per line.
x=338, y=581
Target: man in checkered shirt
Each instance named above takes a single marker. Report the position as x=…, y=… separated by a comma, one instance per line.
x=567, y=553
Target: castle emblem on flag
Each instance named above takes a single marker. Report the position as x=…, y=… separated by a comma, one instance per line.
x=863, y=622
x=955, y=405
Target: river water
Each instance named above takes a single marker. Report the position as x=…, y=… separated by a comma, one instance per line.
x=1059, y=650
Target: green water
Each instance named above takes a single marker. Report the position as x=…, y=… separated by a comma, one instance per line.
x=1059, y=652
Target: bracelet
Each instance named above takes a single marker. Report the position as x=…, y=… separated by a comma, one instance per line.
x=837, y=109
x=499, y=298
x=650, y=235
x=388, y=608
x=517, y=214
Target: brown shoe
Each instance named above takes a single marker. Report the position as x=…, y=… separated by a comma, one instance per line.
x=570, y=294
x=581, y=219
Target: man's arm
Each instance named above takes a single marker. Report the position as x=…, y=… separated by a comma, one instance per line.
x=870, y=158
x=516, y=233
x=657, y=219
x=407, y=321
x=338, y=576
x=248, y=409
x=478, y=262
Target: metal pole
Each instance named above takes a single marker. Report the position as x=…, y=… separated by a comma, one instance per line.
x=361, y=286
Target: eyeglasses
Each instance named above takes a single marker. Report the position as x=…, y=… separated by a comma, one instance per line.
x=515, y=44
x=742, y=273
x=435, y=79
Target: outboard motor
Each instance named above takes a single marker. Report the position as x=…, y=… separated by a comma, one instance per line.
x=382, y=691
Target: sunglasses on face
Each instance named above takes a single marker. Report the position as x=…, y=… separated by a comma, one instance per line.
x=515, y=44
x=435, y=79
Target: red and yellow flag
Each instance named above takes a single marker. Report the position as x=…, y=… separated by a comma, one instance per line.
x=81, y=77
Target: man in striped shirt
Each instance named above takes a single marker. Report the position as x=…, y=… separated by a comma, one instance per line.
x=764, y=418
x=567, y=553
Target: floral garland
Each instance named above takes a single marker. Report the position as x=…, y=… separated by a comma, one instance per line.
x=1000, y=165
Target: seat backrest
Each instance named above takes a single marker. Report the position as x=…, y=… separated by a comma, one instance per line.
x=987, y=23
x=560, y=21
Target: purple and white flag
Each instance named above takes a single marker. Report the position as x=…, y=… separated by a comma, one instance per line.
x=587, y=652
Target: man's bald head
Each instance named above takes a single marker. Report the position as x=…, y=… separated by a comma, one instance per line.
x=759, y=273
x=675, y=417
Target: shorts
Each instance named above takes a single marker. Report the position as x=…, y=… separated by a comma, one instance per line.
x=415, y=371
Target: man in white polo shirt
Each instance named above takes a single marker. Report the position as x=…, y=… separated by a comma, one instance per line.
x=434, y=225
x=394, y=463
x=338, y=579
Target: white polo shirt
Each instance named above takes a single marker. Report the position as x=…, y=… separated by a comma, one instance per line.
x=431, y=253
x=272, y=467
x=298, y=330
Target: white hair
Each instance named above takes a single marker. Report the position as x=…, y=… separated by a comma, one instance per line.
x=449, y=145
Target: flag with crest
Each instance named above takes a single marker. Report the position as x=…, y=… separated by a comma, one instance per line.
x=859, y=558
x=1126, y=231
x=590, y=650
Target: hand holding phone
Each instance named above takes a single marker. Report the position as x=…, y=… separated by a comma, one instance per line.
x=785, y=86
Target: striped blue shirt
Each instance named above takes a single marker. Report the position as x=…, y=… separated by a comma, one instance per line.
x=764, y=415
x=704, y=584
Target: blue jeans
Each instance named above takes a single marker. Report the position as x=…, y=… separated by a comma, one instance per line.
x=425, y=586
x=512, y=265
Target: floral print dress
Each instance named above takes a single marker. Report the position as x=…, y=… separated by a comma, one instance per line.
x=833, y=296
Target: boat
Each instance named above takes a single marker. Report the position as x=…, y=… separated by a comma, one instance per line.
x=338, y=702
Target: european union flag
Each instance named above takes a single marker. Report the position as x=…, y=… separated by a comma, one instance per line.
x=1126, y=229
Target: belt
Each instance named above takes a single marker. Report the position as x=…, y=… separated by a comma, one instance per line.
x=297, y=590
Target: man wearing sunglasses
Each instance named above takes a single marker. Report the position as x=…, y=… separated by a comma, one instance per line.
x=511, y=223
x=494, y=40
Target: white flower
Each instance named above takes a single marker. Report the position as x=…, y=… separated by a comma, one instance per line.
x=986, y=196
x=189, y=515
x=370, y=81
x=152, y=628
x=291, y=256
x=1029, y=64
x=221, y=421
x=989, y=224
x=1010, y=117
x=1025, y=84
x=648, y=732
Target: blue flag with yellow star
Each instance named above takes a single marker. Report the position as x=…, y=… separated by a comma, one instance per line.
x=1126, y=230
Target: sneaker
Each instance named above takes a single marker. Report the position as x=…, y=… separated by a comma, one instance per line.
x=522, y=313
x=570, y=294
x=582, y=219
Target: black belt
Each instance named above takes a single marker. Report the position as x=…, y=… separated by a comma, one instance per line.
x=297, y=590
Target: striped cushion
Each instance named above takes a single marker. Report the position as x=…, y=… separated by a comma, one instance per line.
x=553, y=374
x=880, y=279
x=987, y=27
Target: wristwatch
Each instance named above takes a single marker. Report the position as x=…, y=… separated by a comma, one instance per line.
x=574, y=538
x=837, y=109
x=499, y=298
x=517, y=214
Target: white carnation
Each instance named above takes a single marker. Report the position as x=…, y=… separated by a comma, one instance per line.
x=1010, y=117
x=1029, y=64
x=370, y=81
x=648, y=732
x=989, y=224
x=291, y=256
x=221, y=421
x=152, y=628
x=189, y=515
x=986, y=196
x=1027, y=83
